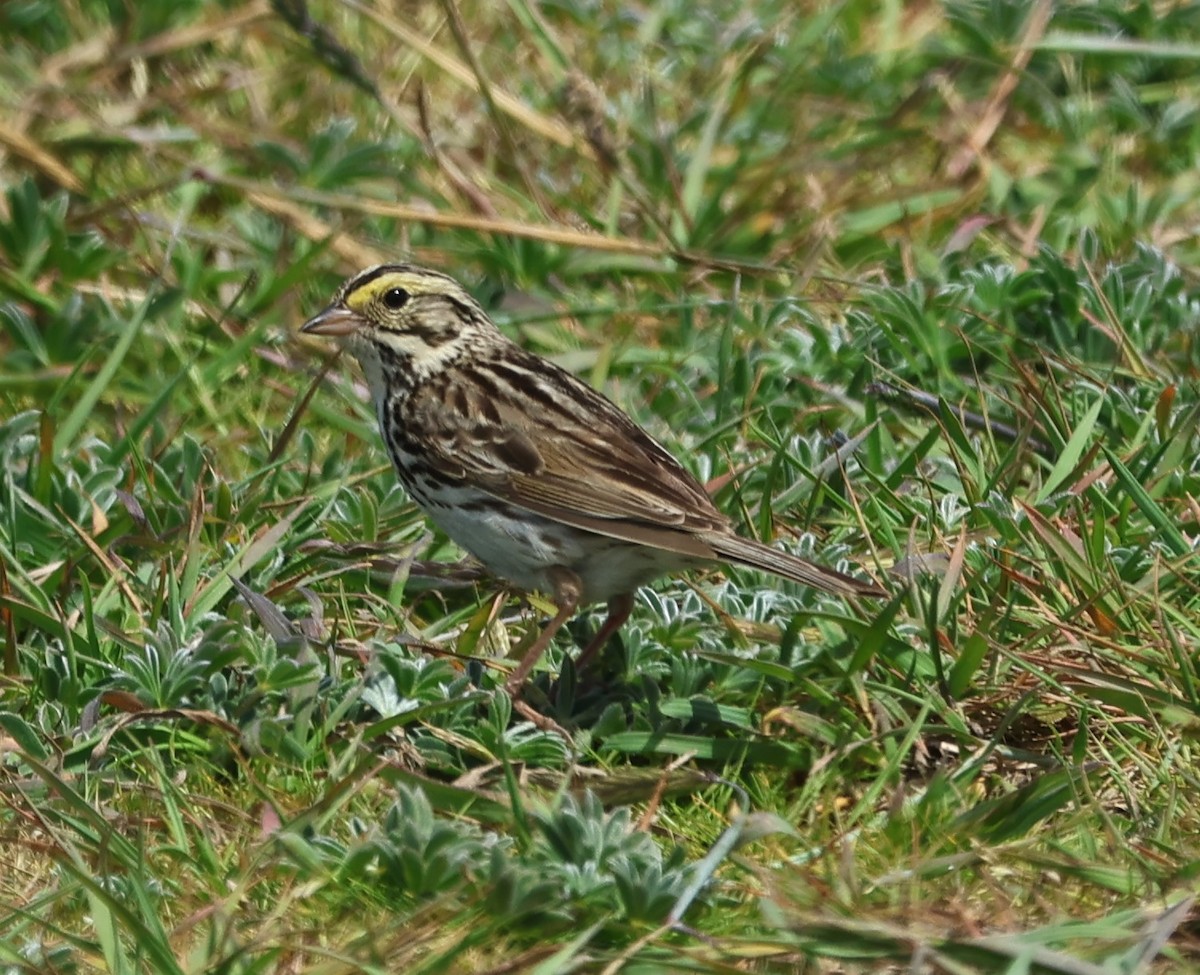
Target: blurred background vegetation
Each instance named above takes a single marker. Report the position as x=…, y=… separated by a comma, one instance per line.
x=909, y=285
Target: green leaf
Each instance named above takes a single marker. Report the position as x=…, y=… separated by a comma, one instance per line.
x=81, y=413
x=1164, y=525
x=962, y=671
x=23, y=733
x=1071, y=453
x=773, y=753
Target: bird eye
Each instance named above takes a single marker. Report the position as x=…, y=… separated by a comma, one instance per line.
x=395, y=298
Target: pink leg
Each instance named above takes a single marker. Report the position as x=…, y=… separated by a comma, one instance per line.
x=619, y=608
x=567, y=589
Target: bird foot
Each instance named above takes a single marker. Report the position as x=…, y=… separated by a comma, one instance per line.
x=539, y=720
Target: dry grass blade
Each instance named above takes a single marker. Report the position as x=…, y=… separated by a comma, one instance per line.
x=541, y=125
x=1036, y=22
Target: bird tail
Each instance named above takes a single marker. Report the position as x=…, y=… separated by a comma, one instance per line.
x=744, y=551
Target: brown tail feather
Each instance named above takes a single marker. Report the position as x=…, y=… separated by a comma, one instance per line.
x=743, y=551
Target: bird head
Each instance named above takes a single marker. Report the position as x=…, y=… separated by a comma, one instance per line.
x=404, y=313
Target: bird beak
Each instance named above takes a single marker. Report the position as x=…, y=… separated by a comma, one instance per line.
x=333, y=321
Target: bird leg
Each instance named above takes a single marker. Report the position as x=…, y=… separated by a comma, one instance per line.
x=568, y=588
x=619, y=608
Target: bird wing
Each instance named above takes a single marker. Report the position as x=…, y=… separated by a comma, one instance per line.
x=560, y=449
x=552, y=445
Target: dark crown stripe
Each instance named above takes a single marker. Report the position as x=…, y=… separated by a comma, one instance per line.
x=370, y=274
x=364, y=278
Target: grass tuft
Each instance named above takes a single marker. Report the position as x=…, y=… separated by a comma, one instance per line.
x=908, y=286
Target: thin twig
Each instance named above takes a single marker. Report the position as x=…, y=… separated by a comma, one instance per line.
x=974, y=421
